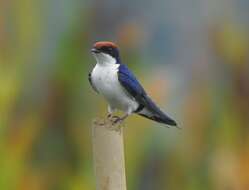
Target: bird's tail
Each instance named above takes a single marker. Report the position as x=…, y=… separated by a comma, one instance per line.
x=151, y=111
x=161, y=119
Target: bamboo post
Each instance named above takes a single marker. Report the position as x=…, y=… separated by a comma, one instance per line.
x=108, y=154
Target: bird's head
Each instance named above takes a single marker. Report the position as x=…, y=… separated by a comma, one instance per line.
x=106, y=52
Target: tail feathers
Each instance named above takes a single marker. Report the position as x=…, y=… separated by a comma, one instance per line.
x=151, y=111
x=165, y=119
x=162, y=118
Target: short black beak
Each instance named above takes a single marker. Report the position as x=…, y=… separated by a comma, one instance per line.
x=94, y=50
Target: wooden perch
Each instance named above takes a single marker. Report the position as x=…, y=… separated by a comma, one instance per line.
x=108, y=154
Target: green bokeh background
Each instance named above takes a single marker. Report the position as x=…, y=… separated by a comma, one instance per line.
x=191, y=56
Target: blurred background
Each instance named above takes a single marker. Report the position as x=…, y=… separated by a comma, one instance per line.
x=191, y=56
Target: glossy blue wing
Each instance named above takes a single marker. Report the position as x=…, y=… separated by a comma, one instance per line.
x=133, y=87
x=130, y=83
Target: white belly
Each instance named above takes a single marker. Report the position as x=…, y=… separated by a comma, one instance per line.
x=105, y=79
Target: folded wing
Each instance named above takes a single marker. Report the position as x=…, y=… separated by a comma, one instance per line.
x=147, y=107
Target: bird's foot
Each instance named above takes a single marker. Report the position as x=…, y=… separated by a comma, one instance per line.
x=116, y=120
x=109, y=116
x=114, y=123
x=100, y=122
x=114, y=127
x=111, y=122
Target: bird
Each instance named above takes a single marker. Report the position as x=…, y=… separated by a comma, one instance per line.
x=120, y=88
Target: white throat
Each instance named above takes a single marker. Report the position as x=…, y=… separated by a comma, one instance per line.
x=104, y=59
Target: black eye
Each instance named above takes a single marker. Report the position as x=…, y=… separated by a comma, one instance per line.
x=107, y=49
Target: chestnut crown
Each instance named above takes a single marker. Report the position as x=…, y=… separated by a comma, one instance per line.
x=108, y=48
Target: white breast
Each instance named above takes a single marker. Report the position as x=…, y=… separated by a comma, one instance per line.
x=105, y=79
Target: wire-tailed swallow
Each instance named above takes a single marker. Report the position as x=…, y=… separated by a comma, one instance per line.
x=113, y=80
